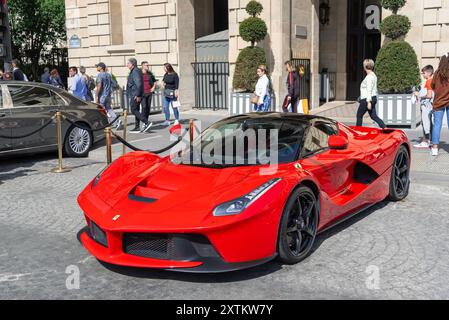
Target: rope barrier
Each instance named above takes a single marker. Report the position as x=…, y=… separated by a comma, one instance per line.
x=80, y=126
x=134, y=148
x=29, y=134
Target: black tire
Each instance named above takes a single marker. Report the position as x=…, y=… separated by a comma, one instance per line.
x=298, y=227
x=78, y=142
x=400, y=175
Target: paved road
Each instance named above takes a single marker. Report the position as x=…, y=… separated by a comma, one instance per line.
x=394, y=250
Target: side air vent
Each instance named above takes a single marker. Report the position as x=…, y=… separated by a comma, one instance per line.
x=364, y=174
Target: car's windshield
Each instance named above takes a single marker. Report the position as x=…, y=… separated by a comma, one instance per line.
x=246, y=141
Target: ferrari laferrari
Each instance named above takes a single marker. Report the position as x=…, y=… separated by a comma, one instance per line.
x=248, y=189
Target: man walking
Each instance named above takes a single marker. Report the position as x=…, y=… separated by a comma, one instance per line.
x=78, y=88
x=149, y=85
x=45, y=77
x=17, y=74
x=104, y=91
x=134, y=89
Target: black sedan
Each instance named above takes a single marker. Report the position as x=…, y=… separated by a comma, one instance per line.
x=25, y=107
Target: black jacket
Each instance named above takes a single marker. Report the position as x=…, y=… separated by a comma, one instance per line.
x=134, y=87
x=293, y=85
x=18, y=75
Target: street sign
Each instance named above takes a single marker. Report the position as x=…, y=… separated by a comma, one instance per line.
x=75, y=42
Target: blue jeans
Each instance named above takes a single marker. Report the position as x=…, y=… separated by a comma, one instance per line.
x=438, y=116
x=167, y=102
x=265, y=107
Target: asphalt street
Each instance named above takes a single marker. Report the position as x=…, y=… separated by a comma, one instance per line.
x=391, y=251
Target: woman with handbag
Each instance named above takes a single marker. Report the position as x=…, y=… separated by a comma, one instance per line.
x=368, y=95
x=261, y=99
x=170, y=84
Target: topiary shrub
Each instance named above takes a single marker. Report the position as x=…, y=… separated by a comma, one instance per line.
x=393, y=5
x=397, y=68
x=254, y=8
x=245, y=76
x=396, y=63
x=395, y=26
x=252, y=29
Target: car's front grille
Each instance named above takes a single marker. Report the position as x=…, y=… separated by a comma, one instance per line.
x=147, y=245
x=174, y=247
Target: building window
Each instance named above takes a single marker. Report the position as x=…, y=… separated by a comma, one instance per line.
x=116, y=22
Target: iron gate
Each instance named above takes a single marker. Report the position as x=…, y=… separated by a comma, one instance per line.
x=211, y=85
x=304, y=84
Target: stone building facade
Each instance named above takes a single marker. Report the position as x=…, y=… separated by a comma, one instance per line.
x=160, y=31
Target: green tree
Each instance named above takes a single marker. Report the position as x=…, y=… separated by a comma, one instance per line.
x=396, y=63
x=36, y=26
x=252, y=29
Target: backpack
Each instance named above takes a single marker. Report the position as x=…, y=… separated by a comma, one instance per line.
x=90, y=84
x=114, y=83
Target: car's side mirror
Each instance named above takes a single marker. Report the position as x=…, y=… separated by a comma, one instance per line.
x=338, y=142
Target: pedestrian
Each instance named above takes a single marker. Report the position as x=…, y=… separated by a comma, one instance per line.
x=292, y=88
x=368, y=95
x=104, y=92
x=440, y=86
x=78, y=87
x=17, y=74
x=45, y=77
x=261, y=97
x=170, y=84
x=134, y=89
x=89, y=83
x=149, y=85
x=425, y=98
x=55, y=79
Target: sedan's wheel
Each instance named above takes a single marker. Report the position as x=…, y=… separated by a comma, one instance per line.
x=400, y=175
x=298, y=227
x=78, y=142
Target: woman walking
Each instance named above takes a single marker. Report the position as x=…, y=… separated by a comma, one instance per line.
x=262, y=99
x=170, y=85
x=368, y=95
x=55, y=79
x=440, y=86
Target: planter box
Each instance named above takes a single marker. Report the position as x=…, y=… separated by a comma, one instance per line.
x=398, y=110
x=241, y=103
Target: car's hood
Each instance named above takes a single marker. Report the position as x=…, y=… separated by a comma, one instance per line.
x=160, y=186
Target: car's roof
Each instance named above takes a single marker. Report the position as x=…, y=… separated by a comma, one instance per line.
x=30, y=83
x=280, y=116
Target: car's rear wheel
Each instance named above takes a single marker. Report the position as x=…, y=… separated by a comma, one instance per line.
x=298, y=228
x=77, y=142
x=400, y=175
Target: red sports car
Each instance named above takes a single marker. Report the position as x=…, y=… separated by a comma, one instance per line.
x=213, y=207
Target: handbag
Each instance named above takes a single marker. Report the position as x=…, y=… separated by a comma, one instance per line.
x=169, y=93
x=255, y=98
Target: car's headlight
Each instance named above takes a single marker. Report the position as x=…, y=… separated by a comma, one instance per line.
x=98, y=177
x=238, y=205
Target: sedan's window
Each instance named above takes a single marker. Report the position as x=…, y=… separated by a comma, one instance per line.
x=28, y=96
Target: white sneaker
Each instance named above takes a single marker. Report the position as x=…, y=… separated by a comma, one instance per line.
x=434, y=152
x=176, y=122
x=422, y=145
x=118, y=126
x=167, y=123
x=146, y=127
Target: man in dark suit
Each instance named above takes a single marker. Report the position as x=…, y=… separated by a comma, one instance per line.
x=134, y=89
x=17, y=74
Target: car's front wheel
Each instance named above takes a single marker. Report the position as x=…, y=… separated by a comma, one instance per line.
x=77, y=142
x=299, y=224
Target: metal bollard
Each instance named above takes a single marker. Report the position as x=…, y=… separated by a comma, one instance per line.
x=125, y=129
x=60, y=168
x=108, y=145
x=191, y=131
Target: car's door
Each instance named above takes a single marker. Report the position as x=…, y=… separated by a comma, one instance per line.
x=32, y=107
x=5, y=122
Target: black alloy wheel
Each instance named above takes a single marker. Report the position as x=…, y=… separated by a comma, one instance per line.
x=299, y=226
